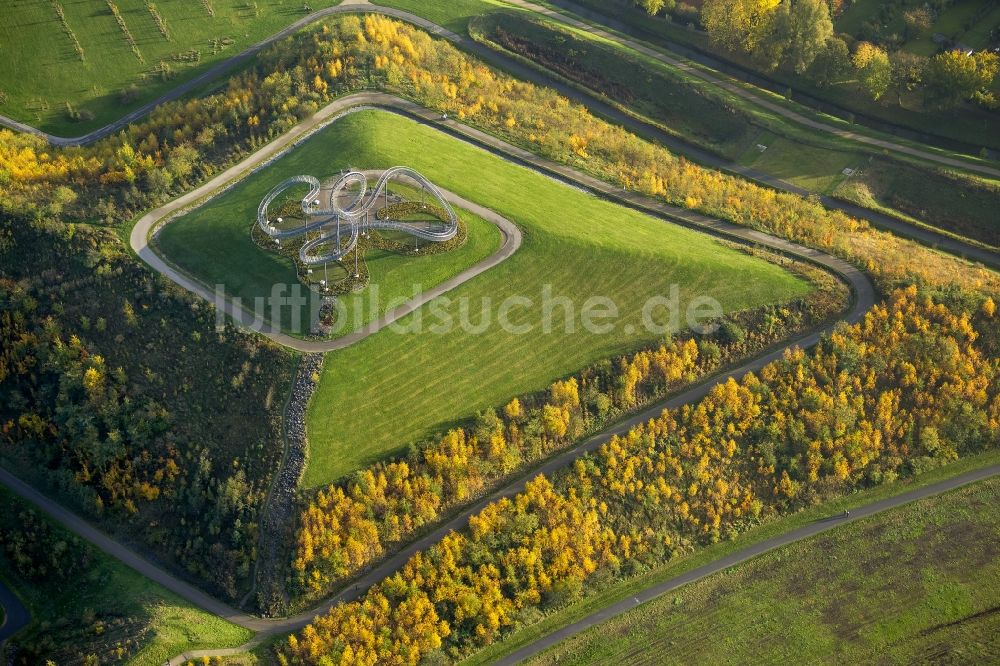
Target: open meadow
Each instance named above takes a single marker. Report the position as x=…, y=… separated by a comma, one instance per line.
x=67, y=67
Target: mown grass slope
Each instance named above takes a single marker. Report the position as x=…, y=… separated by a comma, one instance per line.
x=41, y=71
x=395, y=388
x=213, y=243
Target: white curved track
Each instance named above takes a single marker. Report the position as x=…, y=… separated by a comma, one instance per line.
x=338, y=225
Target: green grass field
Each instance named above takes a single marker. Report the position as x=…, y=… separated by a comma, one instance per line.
x=40, y=70
x=609, y=593
x=685, y=106
x=917, y=583
x=816, y=169
x=391, y=389
x=213, y=242
x=71, y=617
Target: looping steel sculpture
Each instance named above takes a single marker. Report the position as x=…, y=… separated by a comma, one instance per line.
x=351, y=209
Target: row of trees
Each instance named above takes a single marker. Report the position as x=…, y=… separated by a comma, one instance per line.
x=911, y=386
x=800, y=35
x=348, y=525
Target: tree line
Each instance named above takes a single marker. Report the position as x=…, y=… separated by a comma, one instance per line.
x=46, y=191
x=119, y=395
x=182, y=143
x=799, y=35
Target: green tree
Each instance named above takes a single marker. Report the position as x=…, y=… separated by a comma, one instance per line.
x=917, y=21
x=907, y=70
x=738, y=25
x=954, y=76
x=654, y=7
x=873, y=68
x=832, y=63
x=776, y=40
x=809, y=30
x=182, y=161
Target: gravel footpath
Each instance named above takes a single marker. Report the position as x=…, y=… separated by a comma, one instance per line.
x=279, y=515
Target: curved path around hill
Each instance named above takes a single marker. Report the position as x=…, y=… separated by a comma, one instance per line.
x=149, y=223
x=862, y=288
x=863, y=298
x=924, y=235
x=863, y=292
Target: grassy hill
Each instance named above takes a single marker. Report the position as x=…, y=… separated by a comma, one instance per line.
x=395, y=388
x=213, y=242
x=68, y=67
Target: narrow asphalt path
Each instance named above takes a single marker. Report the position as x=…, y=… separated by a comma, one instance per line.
x=716, y=566
x=149, y=223
x=16, y=616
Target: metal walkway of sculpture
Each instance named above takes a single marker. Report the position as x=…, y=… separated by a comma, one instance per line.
x=348, y=209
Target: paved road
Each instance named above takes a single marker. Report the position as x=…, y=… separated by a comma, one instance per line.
x=804, y=532
x=16, y=616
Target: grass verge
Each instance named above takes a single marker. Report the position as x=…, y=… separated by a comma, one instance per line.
x=46, y=82
x=103, y=607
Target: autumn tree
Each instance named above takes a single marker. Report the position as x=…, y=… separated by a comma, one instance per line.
x=917, y=21
x=955, y=76
x=832, y=63
x=907, y=70
x=874, y=71
x=871, y=402
x=738, y=25
x=809, y=30
x=654, y=7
